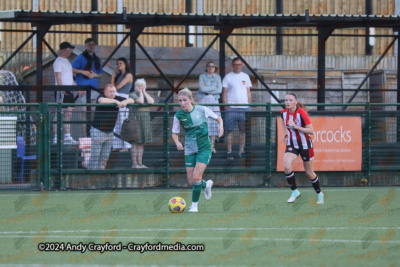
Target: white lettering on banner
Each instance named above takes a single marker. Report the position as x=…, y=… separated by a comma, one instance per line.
x=330, y=136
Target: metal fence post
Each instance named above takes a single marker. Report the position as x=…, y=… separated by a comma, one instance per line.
x=59, y=149
x=44, y=148
x=268, y=157
x=368, y=128
x=166, y=144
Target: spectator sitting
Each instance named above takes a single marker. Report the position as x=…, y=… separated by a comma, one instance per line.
x=143, y=117
x=101, y=131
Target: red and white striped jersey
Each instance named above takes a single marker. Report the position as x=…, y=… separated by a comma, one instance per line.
x=297, y=139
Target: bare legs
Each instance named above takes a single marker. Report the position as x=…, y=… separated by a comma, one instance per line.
x=137, y=156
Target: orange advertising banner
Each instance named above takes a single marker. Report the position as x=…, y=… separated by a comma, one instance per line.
x=337, y=144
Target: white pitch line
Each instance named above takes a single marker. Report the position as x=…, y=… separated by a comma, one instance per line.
x=97, y=265
x=202, y=229
x=216, y=238
x=217, y=191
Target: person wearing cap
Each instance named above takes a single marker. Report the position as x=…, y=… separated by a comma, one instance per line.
x=88, y=69
x=64, y=76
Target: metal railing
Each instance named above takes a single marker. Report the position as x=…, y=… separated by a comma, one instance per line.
x=57, y=162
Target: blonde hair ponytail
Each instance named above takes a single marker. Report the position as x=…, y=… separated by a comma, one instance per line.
x=299, y=104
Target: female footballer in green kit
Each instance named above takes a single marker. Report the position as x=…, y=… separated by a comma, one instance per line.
x=198, y=148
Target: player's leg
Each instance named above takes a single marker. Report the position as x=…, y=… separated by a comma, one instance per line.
x=288, y=160
x=189, y=175
x=309, y=168
x=197, y=184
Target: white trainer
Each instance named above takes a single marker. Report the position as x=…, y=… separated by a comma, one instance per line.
x=207, y=191
x=69, y=141
x=193, y=209
x=320, y=198
x=295, y=195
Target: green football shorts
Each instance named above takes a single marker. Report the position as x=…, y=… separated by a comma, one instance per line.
x=203, y=157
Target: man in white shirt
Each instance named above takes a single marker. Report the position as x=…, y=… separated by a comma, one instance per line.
x=236, y=90
x=64, y=76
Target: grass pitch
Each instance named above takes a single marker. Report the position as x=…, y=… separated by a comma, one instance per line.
x=238, y=227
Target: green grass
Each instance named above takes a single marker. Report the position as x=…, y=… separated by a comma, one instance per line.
x=238, y=227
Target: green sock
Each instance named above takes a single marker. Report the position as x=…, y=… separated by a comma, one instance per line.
x=196, y=192
x=203, y=184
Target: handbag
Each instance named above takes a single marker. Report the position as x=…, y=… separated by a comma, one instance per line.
x=129, y=130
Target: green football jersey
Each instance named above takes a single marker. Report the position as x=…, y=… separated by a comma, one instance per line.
x=195, y=125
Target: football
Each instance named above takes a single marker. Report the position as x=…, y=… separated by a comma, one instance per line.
x=176, y=205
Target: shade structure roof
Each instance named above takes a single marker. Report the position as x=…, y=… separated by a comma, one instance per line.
x=216, y=20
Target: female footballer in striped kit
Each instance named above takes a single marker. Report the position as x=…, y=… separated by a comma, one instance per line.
x=297, y=130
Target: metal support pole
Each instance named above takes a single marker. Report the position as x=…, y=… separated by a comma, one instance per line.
x=187, y=36
x=17, y=50
x=370, y=72
x=197, y=62
x=133, y=35
x=41, y=32
x=95, y=28
x=323, y=35
x=398, y=94
x=368, y=11
x=223, y=36
x=191, y=69
x=44, y=146
x=254, y=72
x=50, y=48
x=155, y=65
x=279, y=31
x=166, y=144
x=115, y=50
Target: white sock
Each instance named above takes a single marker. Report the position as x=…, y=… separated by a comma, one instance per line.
x=194, y=204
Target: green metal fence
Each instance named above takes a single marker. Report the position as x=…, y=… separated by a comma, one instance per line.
x=56, y=164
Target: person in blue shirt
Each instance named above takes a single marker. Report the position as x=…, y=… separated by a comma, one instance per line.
x=88, y=70
x=87, y=67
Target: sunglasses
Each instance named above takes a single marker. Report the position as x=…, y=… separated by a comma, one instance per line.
x=210, y=66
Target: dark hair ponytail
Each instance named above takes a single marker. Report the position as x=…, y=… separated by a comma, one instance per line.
x=127, y=68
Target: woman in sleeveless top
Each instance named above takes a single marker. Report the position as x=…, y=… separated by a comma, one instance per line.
x=122, y=79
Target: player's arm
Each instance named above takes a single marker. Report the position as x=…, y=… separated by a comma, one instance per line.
x=176, y=128
x=308, y=129
x=285, y=133
x=178, y=144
